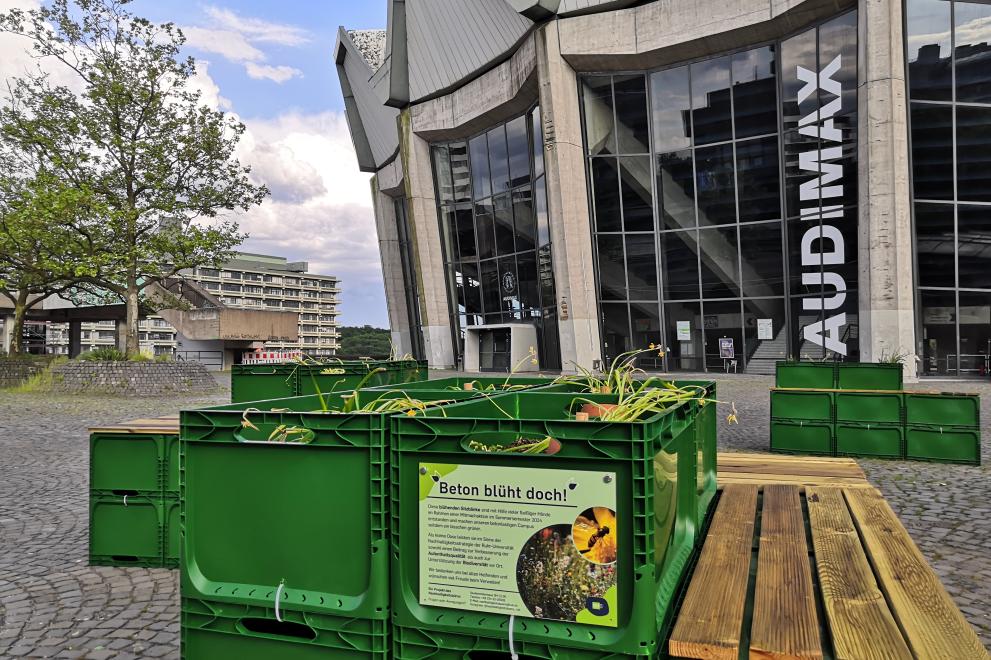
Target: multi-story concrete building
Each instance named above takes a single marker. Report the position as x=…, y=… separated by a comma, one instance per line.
x=251, y=281
x=736, y=182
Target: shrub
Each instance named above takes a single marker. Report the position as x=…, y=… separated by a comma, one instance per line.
x=41, y=381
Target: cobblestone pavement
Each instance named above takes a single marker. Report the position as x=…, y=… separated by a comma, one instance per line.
x=52, y=604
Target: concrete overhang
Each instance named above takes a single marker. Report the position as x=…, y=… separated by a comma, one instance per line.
x=234, y=324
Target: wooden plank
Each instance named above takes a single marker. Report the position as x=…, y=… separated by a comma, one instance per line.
x=711, y=616
x=785, y=624
x=142, y=426
x=930, y=620
x=860, y=622
x=787, y=469
x=730, y=478
x=780, y=458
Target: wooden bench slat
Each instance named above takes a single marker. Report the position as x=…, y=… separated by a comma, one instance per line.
x=860, y=622
x=785, y=624
x=711, y=616
x=927, y=615
x=811, y=480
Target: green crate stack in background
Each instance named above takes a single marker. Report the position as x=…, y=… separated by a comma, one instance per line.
x=869, y=376
x=943, y=426
x=802, y=421
x=654, y=461
x=260, y=382
x=870, y=424
x=296, y=531
x=133, y=490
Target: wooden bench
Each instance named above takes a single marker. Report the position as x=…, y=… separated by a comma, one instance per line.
x=760, y=469
x=798, y=570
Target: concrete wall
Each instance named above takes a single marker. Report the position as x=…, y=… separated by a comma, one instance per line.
x=132, y=378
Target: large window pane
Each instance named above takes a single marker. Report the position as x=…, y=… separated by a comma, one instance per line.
x=934, y=244
x=448, y=234
x=645, y=322
x=804, y=312
x=485, y=229
x=540, y=209
x=763, y=330
x=711, y=118
x=479, y=151
x=605, y=191
x=641, y=266
x=799, y=51
x=442, y=166
x=755, y=94
x=974, y=237
x=939, y=332
x=490, y=288
x=683, y=336
x=759, y=179
x=465, y=225
x=928, y=39
x=762, y=265
x=519, y=152
x=838, y=39
x=472, y=287
x=600, y=136
x=634, y=177
x=498, y=159
x=720, y=263
x=615, y=329
x=509, y=287
x=460, y=174
x=612, y=268
x=722, y=323
x=537, y=138
x=671, y=103
x=972, y=35
x=526, y=223
x=504, y=233
x=679, y=261
x=545, y=269
x=715, y=184
x=529, y=287
x=932, y=151
x=631, y=114
x=975, y=333
x=973, y=154
x=676, y=190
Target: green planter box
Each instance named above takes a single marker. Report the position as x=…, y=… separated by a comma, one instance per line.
x=418, y=644
x=811, y=375
x=876, y=407
x=131, y=463
x=801, y=437
x=258, y=382
x=866, y=439
x=225, y=631
x=482, y=385
x=173, y=533
x=256, y=512
x=802, y=405
x=868, y=376
x=943, y=444
x=125, y=530
x=652, y=466
x=943, y=409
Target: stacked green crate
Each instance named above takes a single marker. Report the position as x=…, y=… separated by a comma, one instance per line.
x=943, y=427
x=258, y=382
x=805, y=375
x=869, y=376
x=285, y=546
x=870, y=424
x=131, y=496
x=802, y=421
x=647, y=467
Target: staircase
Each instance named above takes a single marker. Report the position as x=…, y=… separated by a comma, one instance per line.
x=768, y=353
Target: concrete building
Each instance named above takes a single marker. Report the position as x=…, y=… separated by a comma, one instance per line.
x=252, y=282
x=735, y=182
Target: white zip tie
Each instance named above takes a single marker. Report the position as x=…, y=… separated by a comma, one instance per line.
x=512, y=651
x=125, y=500
x=278, y=595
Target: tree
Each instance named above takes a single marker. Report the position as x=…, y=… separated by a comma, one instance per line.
x=365, y=341
x=159, y=162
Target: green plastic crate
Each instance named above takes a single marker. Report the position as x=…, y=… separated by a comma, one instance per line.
x=868, y=376
x=125, y=530
x=130, y=463
x=866, y=439
x=225, y=631
x=943, y=444
x=801, y=437
x=256, y=513
x=173, y=533
x=311, y=379
x=259, y=382
x=943, y=409
x=876, y=407
x=655, y=466
x=811, y=375
x=480, y=384
x=420, y=644
x=802, y=405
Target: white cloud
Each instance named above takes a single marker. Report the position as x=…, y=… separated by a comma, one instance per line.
x=235, y=38
x=17, y=59
x=209, y=89
x=278, y=74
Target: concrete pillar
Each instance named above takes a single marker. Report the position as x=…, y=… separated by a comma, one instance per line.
x=425, y=233
x=6, y=333
x=887, y=303
x=75, y=339
x=392, y=269
x=567, y=204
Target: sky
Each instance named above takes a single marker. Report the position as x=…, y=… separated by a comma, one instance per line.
x=271, y=64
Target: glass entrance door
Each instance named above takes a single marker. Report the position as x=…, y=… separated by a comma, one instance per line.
x=493, y=350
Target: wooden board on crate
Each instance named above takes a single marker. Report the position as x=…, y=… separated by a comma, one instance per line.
x=168, y=425
x=828, y=572
x=761, y=469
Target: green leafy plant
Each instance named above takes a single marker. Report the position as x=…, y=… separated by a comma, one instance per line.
x=104, y=354
x=893, y=357
x=43, y=381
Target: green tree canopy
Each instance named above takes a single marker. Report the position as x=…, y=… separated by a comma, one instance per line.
x=365, y=341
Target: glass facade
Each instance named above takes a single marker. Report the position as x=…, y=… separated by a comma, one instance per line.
x=723, y=196
x=492, y=205
x=949, y=83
